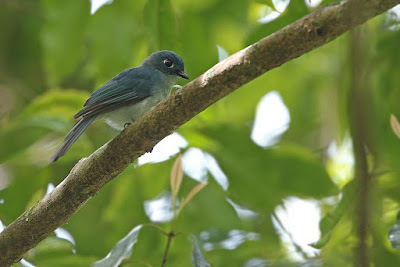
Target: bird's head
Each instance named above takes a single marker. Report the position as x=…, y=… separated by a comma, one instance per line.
x=167, y=62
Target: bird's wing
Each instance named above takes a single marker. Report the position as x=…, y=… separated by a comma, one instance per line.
x=128, y=87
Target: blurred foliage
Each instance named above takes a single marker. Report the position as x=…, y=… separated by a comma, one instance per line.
x=54, y=53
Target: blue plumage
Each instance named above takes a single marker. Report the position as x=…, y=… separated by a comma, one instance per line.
x=127, y=96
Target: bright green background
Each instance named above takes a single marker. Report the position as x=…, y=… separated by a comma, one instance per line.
x=53, y=54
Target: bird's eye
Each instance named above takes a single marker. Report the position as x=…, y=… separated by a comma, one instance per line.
x=168, y=63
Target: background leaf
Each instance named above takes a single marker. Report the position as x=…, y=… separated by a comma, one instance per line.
x=122, y=250
x=197, y=257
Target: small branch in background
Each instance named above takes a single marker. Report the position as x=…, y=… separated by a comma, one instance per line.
x=29, y=7
x=357, y=113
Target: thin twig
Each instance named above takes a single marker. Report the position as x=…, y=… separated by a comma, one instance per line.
x=164, y=260
x=157, y=227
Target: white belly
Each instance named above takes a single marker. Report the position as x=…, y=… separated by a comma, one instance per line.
x=129, y=114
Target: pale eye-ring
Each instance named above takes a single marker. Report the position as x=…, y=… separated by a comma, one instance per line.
x=168, y=63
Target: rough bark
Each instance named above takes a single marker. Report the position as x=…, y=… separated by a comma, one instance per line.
x=92, y=173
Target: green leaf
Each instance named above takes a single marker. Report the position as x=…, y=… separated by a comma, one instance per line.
x=197, y=257
x=67, y=261
x=63, y=32
x=115, y=35
x=122, y=250
x=61, y=104
x=191, y=195
x=329, y=221
x=160, y=21
x=48, y=112
x=209, y=208
x=263, y=177
x=51, y=247
x=20, y=135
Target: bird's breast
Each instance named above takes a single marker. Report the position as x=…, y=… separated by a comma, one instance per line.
x=129, y=114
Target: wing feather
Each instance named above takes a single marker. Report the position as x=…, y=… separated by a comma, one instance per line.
x=128, y=87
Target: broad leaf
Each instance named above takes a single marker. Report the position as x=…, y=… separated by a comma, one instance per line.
x=330, y=220
x=262, y=177
x=197, y=257
x=122, y=250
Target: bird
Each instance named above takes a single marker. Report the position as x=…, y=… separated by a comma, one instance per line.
x=127, y=96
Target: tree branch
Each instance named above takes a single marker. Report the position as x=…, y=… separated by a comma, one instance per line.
x=92, y=173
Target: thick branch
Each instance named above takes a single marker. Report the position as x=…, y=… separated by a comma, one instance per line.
x=92, y=173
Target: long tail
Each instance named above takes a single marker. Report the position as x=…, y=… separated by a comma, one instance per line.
x=71, y=137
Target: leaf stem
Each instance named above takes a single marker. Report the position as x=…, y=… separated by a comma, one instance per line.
x=170, y=236
x=157, y=227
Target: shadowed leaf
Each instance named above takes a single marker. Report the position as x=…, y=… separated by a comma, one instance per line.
x=329, y=222
x=197, y=257
x=122, y=250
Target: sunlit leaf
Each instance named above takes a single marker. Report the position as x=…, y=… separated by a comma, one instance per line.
x=176, y=176
x=197, y=257
x=330, y=220
x=122, y=250
x=394, y=123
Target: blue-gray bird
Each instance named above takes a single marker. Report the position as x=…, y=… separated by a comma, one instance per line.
x=127, y=96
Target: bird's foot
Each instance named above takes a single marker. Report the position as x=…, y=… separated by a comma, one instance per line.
x=127, y=124
x=150, y=150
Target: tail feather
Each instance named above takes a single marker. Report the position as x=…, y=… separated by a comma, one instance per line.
x=72, y=136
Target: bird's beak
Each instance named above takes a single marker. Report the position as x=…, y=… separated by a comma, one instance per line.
x=183, y=74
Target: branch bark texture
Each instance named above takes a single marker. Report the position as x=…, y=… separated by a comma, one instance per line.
x=92, y=173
